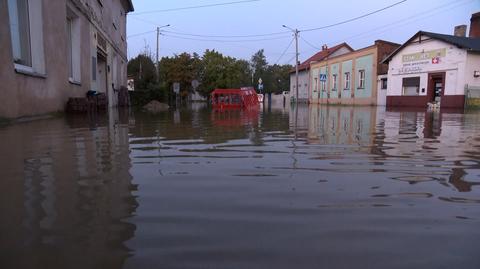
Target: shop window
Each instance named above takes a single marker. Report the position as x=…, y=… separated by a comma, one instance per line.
x=347, y=81
x=411, y=86
x=25, y=19
x=361, y=79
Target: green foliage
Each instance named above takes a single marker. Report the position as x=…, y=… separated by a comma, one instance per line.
x=212, y=70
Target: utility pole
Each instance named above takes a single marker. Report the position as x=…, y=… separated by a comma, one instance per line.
x=295, y=32
x=296, y=66
x=158, y=50
x=158, y=65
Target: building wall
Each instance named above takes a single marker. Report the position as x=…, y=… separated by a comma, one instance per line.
x=453, y=64
x=48, y=88
x=381, y=93
x=365, y=59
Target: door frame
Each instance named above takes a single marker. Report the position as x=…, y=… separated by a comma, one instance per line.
x=431, y=85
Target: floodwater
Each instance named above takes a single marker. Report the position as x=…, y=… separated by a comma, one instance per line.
x=322, y=187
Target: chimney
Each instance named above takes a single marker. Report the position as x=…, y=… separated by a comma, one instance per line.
x=475, y=26
x=460, y=31
x=325, y=47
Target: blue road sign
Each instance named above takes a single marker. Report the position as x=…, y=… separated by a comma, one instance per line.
x=323, y=77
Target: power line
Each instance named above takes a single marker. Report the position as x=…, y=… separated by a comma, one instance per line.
x=310, y=44
x=230, y=36
x=194, y=7
x=431, y=12
x=224, y=41
x=139, y=34
x=353, y=19
x=285, y=51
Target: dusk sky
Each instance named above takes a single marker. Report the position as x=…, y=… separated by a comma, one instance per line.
x=395, y=24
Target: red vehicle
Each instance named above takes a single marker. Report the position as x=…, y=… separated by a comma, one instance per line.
x=234, y=98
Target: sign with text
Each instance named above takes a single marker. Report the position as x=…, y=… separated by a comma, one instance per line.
x=422, y=56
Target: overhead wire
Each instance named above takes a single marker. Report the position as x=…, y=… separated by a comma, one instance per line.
x=193, y=7
x=353, y=19
x=222, y=40
x=285, y=51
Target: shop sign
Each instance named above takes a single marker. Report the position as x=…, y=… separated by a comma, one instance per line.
x=424, y=56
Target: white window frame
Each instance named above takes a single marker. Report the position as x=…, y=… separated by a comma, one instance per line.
x=36, y=66
x=361, y=79
x=347, y=81
x=73, y=46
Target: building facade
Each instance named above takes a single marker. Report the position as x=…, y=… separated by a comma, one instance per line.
x=56, y=49
x=435, y=69
x=352, y=78
x=304, y=70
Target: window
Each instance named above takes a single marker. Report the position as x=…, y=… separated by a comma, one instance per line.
x=316, y=85
x=411, y=85
x=26, y=32
x=20, y=31
x=334, y=80
x=323, y=85
x=347, y=81
x=383, y=82
x=361, y=79
x=73, y=46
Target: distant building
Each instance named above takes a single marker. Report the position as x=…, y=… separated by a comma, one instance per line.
x=56, y=49
x=352, y=78
x=435, y=68
x=303, y=68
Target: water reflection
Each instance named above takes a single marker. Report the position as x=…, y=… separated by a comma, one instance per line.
x=66, y=193
x=276, y=188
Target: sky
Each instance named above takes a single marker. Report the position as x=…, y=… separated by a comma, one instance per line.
x=198, y=29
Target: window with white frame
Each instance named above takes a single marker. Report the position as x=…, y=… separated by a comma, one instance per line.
x=20, y=31
x=361, y=79
x=334, y=81
x=347, y=81
x=384, y=84
x=26, y=32
x=73, y=46
x=411, y=86
x=323, y=85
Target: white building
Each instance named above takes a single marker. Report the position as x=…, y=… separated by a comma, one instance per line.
x=435, y=68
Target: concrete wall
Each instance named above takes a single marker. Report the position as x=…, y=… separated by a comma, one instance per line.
x=47, y=90
x=303, y=79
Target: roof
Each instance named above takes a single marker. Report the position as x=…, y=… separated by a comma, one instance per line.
x=468, y=43
x=320, y=56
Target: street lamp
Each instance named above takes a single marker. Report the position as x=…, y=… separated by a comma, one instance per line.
x=295, y=32
x=158, y=48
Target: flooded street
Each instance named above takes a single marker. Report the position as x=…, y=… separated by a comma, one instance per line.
x=326, y=187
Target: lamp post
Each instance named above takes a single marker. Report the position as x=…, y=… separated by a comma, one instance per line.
x=295, y=32
x=158, y=48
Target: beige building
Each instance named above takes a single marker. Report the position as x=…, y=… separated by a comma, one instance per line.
x=56, y=49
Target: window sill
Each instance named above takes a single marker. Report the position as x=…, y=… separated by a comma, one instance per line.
x=74, y=82
x=334, y=90
x=360, y=88
x=29, y=72
x=346, y=89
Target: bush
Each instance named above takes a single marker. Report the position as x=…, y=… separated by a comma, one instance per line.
x=153, y=91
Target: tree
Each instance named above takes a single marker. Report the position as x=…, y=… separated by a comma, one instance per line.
x=259, y=65
x=142, y=69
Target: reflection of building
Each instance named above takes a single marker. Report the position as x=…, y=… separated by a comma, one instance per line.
x=433, y=67
x=68, y=195
x=56, y=49
x=350, y=78
x=303, y=69
x=341, y=125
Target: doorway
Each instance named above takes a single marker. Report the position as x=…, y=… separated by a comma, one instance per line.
x=436, y=87
x=102, y=74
